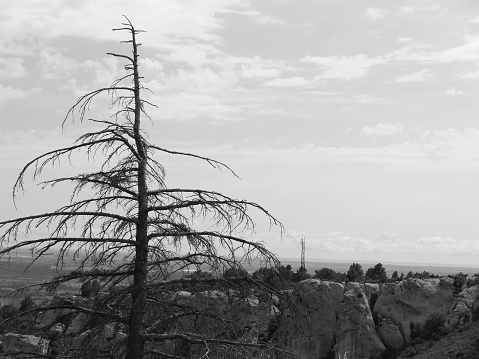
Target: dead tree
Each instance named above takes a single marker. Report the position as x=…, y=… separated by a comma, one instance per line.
x=128, y=230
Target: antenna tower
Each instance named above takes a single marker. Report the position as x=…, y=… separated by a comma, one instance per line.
x=303, y=246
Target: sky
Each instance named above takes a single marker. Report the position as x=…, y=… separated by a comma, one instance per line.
x=355, y=123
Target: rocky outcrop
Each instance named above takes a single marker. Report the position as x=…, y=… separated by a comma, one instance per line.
x=111, y=336
x=12, y=343
x=411, y=301
x=248, y=314
x=462, y=307
x=77, y=325
x=335, y=317
x=320, y=319
x=390, y=334
x=308, y=331
x=355, y=330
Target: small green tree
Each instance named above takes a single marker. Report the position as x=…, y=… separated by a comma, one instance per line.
x=90, y=288
x=355, y=272
x=8, y=311
x=301, y=274
x=270, y=276
x=378, y=272
x=285, y=272
x=235, y=272
x=26, y=304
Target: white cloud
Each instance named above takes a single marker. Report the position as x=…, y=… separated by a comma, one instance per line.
x=341, y=242
x=55, y=65
x=381, y=129
x=366, y=99
x=294, y=81
x=8, y=93
x=447, y=150
x=470, y=75
x=255, y=15
x=475, y=20
x=468, y=51
x=57, y=18
x=421, y=75
x=343, y=67
x=375, y=13
x=405, y=39
x=453, y=91
x=406, y=10
x=257, y=67
x=12, y=67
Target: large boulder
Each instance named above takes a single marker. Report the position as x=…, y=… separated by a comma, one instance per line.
x=78, y=324
x=462, y=307
x=390, y=334
x=109, y=337
x=412, y=301
x=12, y=342
x=355, y=330
x=308, y=330
x=246, y=313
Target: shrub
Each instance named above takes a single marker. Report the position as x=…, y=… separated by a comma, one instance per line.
x=432, y=328
x=389, y=353
x=378, y=272
x=355, y=272
x=475, y=313
x=329, y=274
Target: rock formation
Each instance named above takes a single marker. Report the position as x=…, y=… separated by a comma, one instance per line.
x=336, y=317
x=308, y=331
x=12, y=343
x=410, y=301
x=321, y=319
x=462, y=307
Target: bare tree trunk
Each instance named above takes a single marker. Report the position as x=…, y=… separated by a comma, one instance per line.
x=136, y=342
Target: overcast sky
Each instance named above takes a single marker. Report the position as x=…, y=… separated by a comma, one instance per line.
x=355, y=123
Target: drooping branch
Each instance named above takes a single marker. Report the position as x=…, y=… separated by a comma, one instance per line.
x=212, y=162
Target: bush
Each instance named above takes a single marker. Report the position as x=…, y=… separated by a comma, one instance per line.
x=355, y=272
x=389, y=353
x=475, y=313
x=329, y=274
x=378, y=272
x=235, y=272
x=459, y=280
x=432, y=327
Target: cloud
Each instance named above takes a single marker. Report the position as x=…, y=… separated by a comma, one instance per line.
x=55, y=65
x=475, y=20
x=340, y=241
x=68, y=19
x=366, y=99
x=468, y=51
x=257, y=67
x=408, y=10
x=381, y=129
x=255, y=15
x=429, y=151
x=343, y=67
x=375, y=13
x=419, y=76
x=453, y=91
x=405, y=39
x=8, y=93
x=294, y=81
x=469, y=75
x=12, y=67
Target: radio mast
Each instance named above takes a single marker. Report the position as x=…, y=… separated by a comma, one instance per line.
x=303, y=247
